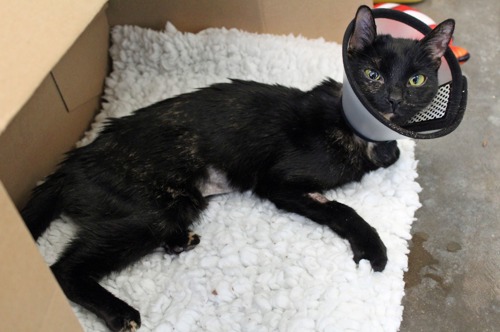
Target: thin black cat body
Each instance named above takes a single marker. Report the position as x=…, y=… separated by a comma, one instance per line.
x=135, y=188
x=147, y=177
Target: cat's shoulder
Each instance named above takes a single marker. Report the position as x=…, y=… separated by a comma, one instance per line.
x=329, y=87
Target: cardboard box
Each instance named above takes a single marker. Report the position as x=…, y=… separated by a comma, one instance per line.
x=53, y=61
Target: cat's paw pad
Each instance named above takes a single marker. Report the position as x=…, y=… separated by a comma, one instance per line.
x=189, y=243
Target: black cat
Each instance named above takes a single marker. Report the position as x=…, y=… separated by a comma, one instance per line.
x=147, y=177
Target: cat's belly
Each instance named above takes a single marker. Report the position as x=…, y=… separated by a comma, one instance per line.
x=216, y=183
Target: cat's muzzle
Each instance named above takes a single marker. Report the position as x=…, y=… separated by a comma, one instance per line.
x=440, y=118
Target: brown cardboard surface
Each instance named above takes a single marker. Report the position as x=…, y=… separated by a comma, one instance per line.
x=326, y=18
x=35, y=140
x=33, y=37
x=37, y=137
x=312, y=19
x=186, y=15
x=80, y=74
x=30, y=298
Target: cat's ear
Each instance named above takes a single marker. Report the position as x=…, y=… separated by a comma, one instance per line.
x=436, y=42
x=365, y=30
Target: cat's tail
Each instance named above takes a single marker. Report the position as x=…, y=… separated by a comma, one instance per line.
x=43, y=206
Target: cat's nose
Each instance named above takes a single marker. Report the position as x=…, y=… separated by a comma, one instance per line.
x=395, y=102
x=395, y=97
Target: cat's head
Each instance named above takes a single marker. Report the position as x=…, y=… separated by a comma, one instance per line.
x=398, y=76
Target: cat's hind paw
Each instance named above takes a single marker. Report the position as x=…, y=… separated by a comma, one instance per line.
x=130, y=327
x=125, y=320
x=187, y=244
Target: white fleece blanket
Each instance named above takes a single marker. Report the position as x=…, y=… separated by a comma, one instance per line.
x=256, y=268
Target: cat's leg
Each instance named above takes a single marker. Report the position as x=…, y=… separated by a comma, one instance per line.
x=42, y=208
x=110, y=245
x=184, y=208
x=94, y=254
x=342, y=219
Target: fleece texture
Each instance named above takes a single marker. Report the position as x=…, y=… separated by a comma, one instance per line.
x=256, y=268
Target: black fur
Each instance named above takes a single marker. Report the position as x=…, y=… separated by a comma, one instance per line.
x=138, y=185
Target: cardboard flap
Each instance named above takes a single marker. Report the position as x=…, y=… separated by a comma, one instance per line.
x=35, y=34
x=80, y=74
x=35, y=140
x=38, y=293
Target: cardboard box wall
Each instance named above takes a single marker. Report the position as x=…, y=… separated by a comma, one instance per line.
x=53, y=61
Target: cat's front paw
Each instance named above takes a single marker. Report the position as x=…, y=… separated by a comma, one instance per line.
x=385, y=153
x=371, y=248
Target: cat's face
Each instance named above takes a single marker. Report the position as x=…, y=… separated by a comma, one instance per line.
x=397, y=76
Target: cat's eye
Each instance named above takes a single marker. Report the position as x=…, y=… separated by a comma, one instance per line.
x=373, y=75
x=417, y=80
